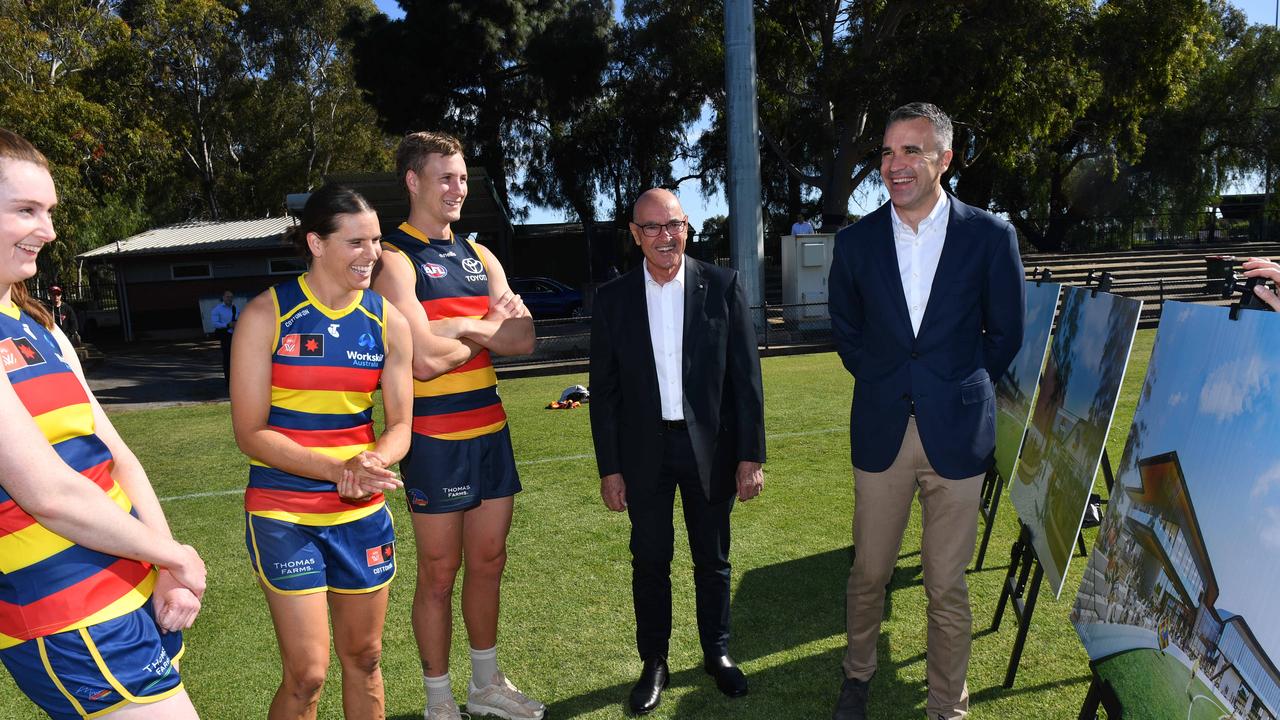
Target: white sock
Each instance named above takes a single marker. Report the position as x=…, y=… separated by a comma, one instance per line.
x=484, y=666
x=439, y=690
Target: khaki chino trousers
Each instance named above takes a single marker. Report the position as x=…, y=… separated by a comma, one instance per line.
x=949, y=515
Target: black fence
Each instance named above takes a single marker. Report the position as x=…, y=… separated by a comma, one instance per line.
x=777, y=326
x=1124, y=232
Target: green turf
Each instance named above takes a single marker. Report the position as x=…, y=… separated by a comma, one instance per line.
x=1154, y=686
x=567, y=624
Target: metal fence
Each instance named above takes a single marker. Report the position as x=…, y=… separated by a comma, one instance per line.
x=803, y=325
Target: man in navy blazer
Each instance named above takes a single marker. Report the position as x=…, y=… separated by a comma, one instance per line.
x=676, y=403
x=927, y=305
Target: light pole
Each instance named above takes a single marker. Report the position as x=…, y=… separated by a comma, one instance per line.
x=742, y=186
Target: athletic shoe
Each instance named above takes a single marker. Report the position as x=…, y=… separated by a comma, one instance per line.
x=444, y=711
x=501, y=699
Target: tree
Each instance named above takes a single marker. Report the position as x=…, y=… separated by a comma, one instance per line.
x=1038, y=89
x=309, y=118
x=197, y=78
x=65, y=69
x=1137, y=59
x=490, y=72
x=611, y=147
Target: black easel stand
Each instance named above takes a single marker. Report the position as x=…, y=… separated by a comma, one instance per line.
x=1110, y=480
x=992, y=489
x=1022, y=564
x=1101, y=695
x=1244, y=286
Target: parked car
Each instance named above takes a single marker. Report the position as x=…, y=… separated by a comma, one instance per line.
x=547, y=298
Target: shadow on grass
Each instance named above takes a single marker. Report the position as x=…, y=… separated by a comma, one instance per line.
x=791, y=603
x=775, y=610
x=998, y=691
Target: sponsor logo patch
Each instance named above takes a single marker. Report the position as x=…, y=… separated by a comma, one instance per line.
x=379, y=555
x=434, y=271
x=302, y=345
x=17, y=353
x=333, y=329
x=366, y=341
x=472, y=266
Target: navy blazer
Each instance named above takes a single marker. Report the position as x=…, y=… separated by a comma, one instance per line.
x=971, y=330
x=723, y=398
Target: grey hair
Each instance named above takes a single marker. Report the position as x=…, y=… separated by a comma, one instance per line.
x=939, y=120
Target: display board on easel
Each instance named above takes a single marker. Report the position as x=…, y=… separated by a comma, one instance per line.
x=1074, y=405
x=1063, y=446
x=1177, y=608
x=1015, y=390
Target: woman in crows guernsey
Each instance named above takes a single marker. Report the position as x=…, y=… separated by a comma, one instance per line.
x=307, y=356
x=93, y=589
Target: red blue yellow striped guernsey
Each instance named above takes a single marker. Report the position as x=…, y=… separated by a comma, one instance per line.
x=49, y=584
x=452, y=281
x=324, y=369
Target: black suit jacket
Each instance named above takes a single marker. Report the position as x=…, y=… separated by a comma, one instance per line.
x=723, y=398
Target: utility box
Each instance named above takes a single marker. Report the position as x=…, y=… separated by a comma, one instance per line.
x=806, y=262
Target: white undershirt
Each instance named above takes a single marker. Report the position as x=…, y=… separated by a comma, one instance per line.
x=918, y=254
x=665, y=304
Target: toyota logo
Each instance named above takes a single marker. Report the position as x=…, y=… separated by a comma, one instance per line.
x=473, y=266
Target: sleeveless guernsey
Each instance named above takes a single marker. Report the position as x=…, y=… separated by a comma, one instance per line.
x=452, y=281
x=325, y=367
x=49, y=584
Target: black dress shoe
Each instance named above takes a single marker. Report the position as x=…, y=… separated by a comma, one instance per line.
x=852, y=704
x=647, y=692
x=728, y=677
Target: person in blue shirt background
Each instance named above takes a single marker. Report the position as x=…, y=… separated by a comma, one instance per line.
x=223, y=318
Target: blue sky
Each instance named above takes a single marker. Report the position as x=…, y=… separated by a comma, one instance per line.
x=866, y=199
x=1215, y=399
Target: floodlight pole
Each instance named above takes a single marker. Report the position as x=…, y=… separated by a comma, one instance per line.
x=746, y=226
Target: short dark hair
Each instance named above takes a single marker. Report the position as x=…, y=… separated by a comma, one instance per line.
x=415, y=147
x=320, y=214
x=942, y=130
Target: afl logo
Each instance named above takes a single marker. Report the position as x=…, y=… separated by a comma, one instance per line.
x=435, y=271
x=473, y=266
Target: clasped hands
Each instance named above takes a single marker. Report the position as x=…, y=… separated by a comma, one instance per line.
x=366, y=474
x=178, y=589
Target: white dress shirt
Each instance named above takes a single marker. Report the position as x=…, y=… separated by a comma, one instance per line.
x=918, y=254
x=665, y=304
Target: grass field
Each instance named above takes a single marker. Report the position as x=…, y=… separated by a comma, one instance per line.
x=1155, y=687
x=567, y=624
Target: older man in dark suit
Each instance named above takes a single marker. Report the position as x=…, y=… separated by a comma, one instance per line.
x=926, y=308
x=676, y=402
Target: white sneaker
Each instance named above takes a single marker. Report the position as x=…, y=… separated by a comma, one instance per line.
x=444, y=711
x=502, y=699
